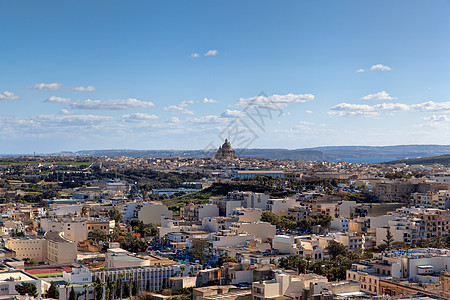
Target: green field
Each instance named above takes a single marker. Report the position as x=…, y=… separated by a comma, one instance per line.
x=48, y=275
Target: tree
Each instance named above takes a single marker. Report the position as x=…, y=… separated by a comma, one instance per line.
x=270, y=217
x=27, y=288
x=224, y=259
x=115, y=215
x=201, y=250
x=335, y=248
x=72, y=295
x=389, y=239
x=84, y=211
x=121, y=276
x=86, y=287
x=98, y=235
x=67, y=284
x=52, y=291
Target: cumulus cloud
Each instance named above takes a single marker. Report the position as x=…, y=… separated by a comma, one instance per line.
x=54, y=86
x=180, y=108
x=435, y=121
x=308, y=111
x=209, y=119
x=195, y=55
x=380, y=67
x=8, y=96
x=71, y=119
x=89, y=88
x=383, y=95
x=174, y=120
x=363, y=110
x=139, y=117
x=274, y=100
x=56, y=99
x=377, y=67
x=211, y=53
x=431, y=106
x=232, y=113
x=65, y=112
x=302, y=126
x=206, y=100
x=116, y=104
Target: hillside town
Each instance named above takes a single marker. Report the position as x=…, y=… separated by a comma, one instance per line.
x=225, y=227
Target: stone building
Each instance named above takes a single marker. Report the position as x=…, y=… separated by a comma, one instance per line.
x=225, y=152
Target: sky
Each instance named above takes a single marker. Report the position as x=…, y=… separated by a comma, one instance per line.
x=84, y=75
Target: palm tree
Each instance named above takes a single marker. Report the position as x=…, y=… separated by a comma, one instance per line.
x=139, y=283
x=130, y=275
x=67, y=290
x=121, y=276
x=84, y=211
x=85, y=286
x=102, y=286
x=94, y=285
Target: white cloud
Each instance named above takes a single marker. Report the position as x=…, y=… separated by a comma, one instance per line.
x=116, y=104
x=139, y=117
x=435, y=118
x=54, y=86
x=71, y=119
x=206, y=100
x=380, y=67
x=363, y=110
x=173, y=108
x=232, y=113
x=65, y=112
x=209, y=119
x=277, y=101
x=174, y=120
x=302, y=126
x=431, y=106
x=57, y=99
x=89, y=88
x=435, y=122
x=360, y=71
x=211, y=53
x=180, y=108
x=195, y=55
x=383, y=95
x=8, y=96
x=308, y=111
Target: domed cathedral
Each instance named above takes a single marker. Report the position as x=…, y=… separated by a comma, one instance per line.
x=225, y=152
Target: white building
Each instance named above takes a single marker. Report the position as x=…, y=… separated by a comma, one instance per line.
x=340, y=224
x=9, y=280
x=226, y=238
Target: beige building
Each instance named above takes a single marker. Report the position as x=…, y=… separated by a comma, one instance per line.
x=120, y=258
x=107, y=226
x=74, y=230
x=59, y=249
x=150, y=213
x=285, y=284
x=53, y=247
x=262, y=230
x=28, y=247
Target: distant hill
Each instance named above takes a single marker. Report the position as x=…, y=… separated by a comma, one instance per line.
x=389, y=152
x=259, y=153
x=441, y=159
x=329, y=153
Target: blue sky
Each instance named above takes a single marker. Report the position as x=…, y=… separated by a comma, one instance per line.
x=176, y=74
